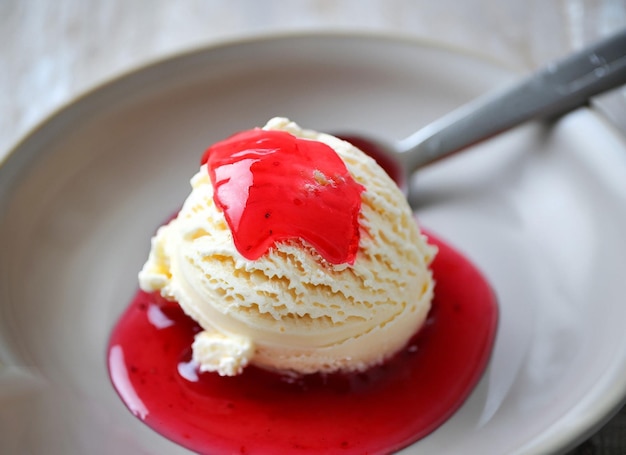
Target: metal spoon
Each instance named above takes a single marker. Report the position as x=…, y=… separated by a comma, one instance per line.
x=555, y=90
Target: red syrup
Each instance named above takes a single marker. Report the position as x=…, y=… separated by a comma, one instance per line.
x=273, y=186
x=379, y=411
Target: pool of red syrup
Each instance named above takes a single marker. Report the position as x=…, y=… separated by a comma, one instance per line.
x=379, y=411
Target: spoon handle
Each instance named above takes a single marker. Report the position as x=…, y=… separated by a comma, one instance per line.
x=558, y=88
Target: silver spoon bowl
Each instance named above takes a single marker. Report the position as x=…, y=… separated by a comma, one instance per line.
x=558, y=88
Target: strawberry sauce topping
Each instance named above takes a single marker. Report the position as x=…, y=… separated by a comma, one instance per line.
x=273, y=187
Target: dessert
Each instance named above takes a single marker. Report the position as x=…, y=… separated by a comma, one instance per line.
x=333, y=273
x=344, y=348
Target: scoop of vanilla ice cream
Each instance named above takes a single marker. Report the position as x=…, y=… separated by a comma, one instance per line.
x=291, y=310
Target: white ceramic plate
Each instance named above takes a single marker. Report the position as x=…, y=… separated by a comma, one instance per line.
x=541, y=211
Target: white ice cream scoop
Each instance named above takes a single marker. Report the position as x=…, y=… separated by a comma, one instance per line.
x=290, y=310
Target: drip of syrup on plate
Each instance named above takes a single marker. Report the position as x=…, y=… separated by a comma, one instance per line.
x=379, y=411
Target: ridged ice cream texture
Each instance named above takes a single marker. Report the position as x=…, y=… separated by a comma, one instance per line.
x=290, y=310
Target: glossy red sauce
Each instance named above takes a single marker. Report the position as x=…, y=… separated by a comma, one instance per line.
x=273, y=186
x=379, y=411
